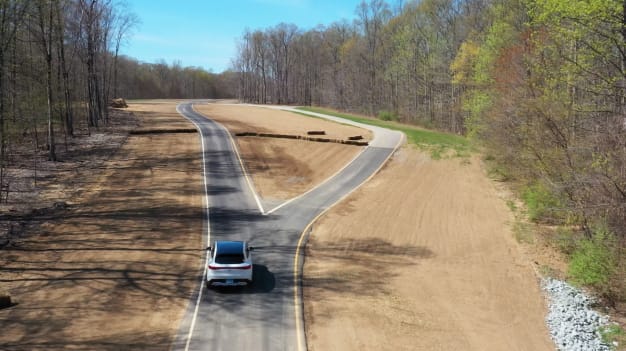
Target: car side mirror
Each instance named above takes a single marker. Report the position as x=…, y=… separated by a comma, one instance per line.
x=250, y=248
x=208, y=248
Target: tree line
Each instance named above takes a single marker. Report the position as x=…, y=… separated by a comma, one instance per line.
x=60, y=65
x=53, y=54
x=541, y=84
x=389, y=59
x=140, y=80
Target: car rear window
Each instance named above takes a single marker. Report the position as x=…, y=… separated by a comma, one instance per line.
x=229, y=258
x=229, y=252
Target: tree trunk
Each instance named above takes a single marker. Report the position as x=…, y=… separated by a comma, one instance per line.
x=46, y=45
x=69, y=113
x=51, y=142
x=2, y=121
x=92, y=77
x=117, y=50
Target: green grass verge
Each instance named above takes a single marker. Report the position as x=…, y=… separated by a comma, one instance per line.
x=439, y=144
x=613, y=334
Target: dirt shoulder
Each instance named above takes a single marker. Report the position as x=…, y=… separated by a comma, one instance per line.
x=284, y=168
x=421, y=258
x=116, y=269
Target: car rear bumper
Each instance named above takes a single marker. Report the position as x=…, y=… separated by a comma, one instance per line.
x=228, y=282
x=229, y=277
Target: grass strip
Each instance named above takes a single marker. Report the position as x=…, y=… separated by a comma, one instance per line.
x=438, y=143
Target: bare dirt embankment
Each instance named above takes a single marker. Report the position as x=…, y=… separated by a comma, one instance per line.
x=115, y=270
x=421, y=258
x=284, y=168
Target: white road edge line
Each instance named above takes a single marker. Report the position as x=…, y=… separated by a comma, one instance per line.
x=208, y=231
x=298, y=304
x=318, y=185
x=257, y=199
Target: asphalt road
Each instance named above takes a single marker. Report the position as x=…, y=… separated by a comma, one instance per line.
x=266, y=315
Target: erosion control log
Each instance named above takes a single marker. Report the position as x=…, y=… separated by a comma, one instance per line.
x=351, y=140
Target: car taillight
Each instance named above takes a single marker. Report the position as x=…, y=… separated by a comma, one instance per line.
x=212, y=267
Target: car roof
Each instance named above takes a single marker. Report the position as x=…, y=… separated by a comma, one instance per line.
x=229, y=247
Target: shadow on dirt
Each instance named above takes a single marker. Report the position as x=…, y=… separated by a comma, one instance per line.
x=357, y=267
x=129, y=249
x=113, y=341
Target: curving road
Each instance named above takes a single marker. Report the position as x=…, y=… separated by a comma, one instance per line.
x=267, y=315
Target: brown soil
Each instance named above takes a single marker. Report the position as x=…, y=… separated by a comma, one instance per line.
x=421, y=258
x=242, y=118
x=284, y=168
x=116, y=269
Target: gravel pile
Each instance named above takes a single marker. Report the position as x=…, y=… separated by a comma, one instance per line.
x=574, y=326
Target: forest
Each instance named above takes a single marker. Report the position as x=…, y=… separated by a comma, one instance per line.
x=60, y=66
x=538, y=84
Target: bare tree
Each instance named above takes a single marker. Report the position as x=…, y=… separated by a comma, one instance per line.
x=372, y=17
x=90, y=38
x=125, y=22
x=45, y=16
x=11, y=16
x=64, y=67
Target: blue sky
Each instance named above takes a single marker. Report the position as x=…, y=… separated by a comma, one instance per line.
x=204, y=32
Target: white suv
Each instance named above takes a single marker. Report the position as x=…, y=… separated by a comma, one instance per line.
x=230, y=264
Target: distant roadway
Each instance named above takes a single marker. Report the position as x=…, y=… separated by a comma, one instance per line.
x=267, y=315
